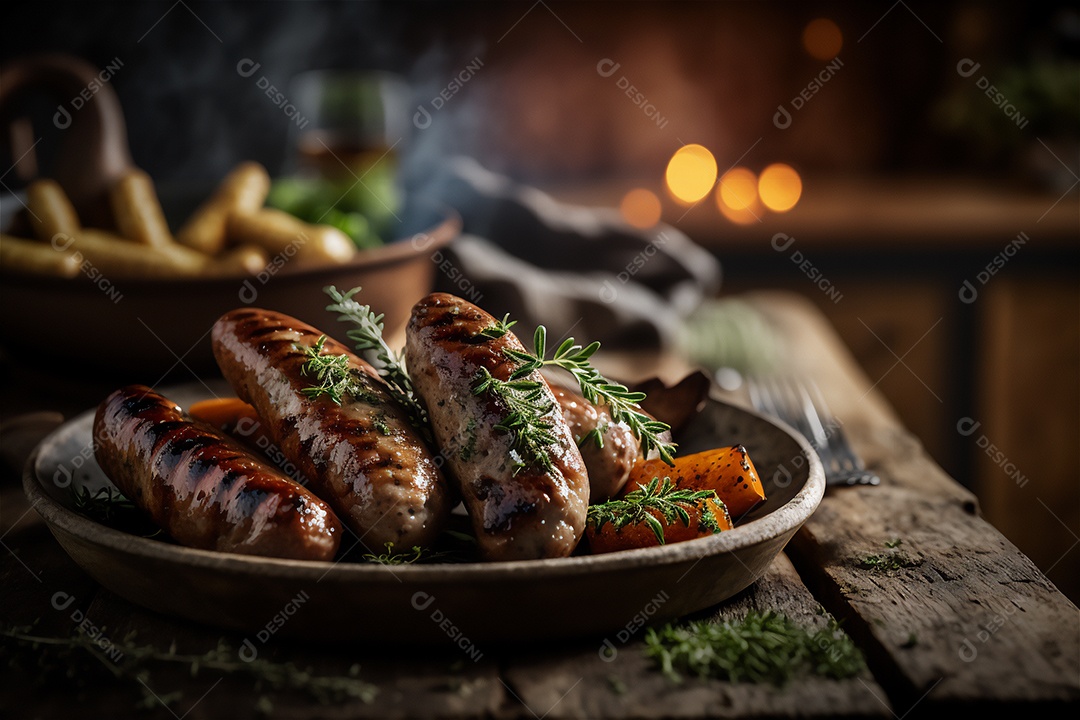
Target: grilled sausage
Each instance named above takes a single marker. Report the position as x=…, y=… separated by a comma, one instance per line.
x=608, y=466
x=362, y=457
x=202, y=488
x=517, y=513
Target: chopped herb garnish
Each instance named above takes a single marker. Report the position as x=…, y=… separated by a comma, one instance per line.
x=405, y=557
x=761, y=647
x=640, y=506
x=332, y=372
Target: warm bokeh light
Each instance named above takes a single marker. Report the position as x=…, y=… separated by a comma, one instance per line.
x=780, y=187
x=738, y=189
x=641, y=208
x=822, y=39
x=744, y=216
x=737, y=196
x=691, y=173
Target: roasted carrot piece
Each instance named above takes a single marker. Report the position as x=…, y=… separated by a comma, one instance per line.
x=222, y=413
x=656, y=514
x=727, y=470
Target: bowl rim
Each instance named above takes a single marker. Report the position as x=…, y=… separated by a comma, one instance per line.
x=782, y=521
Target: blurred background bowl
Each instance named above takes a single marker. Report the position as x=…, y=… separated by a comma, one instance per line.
x=141, y=329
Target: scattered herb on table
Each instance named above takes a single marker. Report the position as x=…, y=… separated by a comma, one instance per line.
x=888, y=562
x=86, y=660
x=760, y=647
x=663, y=497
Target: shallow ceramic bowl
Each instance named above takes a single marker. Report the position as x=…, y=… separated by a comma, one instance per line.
x=470, y=603
x=138, y=328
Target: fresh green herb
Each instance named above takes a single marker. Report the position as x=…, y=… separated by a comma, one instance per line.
x=500, y=328
x=888, y=562
x=406, y=557
x=92, y=659
x=617, y=685
x=623, y=405
x=895, y=542
x=469, y=448
x=332, y=372
x=368, y=336
x=596, y=435
x=529, y=408
x=761, y=647
x=379, y=423
x=663, y=497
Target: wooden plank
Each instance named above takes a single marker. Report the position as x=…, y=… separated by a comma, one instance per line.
x=407, y=682
x=964, y=618
x=1031, y=344
x=585, y=682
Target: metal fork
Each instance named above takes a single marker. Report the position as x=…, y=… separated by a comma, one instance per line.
x=801, y=405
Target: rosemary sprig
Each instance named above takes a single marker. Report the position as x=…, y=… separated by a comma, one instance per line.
x=527, y=418
x=105, y=504
x=368, y=336
x=663, y=497
x=761, y=647
x=109, y=506
x=331, y=371
x=623, y=405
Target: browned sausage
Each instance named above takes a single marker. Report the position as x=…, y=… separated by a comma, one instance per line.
x=202, y=488
x=517, y=513
x=608, y=465
x=362, y=456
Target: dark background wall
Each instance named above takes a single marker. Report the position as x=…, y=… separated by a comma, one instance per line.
x=538, y=109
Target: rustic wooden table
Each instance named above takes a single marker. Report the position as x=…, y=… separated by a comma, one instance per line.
x=964, y=622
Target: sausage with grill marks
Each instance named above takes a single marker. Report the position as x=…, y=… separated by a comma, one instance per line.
x=201, y=487
x=362, y=457
x=518, y=513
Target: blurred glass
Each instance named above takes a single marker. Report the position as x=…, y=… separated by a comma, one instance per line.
x=344, y=146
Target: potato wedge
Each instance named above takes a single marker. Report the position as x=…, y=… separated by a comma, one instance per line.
x=137, y=210
x=30, y=256
x=243, y=190
x=51, y=212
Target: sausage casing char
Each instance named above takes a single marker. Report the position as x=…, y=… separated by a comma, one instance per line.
x=362, y=457
x=201, y=487
x=517, y=513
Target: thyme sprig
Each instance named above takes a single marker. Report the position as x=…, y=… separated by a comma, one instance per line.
x=370, y=344
x=760, y=647
x=663, y=497
x=623, y=404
